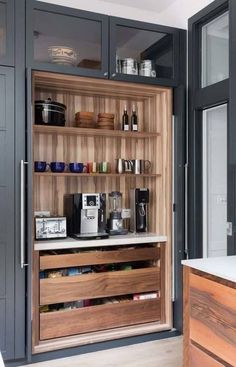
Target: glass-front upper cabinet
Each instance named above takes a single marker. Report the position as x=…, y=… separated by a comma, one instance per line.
x=215, y=50
x=7, y=32
x=67, y=40
x=143, y=52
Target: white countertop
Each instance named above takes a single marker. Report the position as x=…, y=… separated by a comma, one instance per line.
x=129, y=239
x=223, y=267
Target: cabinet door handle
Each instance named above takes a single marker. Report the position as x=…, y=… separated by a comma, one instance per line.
x=22, y=214
x=113, y=75
x=106, y=73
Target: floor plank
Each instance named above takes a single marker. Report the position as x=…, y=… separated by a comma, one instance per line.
x=164, y=353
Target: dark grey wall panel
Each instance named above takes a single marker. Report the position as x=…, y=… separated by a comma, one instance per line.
x=7, y=238
x=2, y=323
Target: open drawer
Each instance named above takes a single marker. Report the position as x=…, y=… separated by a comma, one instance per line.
x=87, y=319
x=98, y=285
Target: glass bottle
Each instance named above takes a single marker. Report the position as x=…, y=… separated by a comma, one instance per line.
x=134, y=120
x=125, y=120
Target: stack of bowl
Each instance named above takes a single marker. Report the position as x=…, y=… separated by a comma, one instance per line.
x=85, y=119
x=62, y=55
x=105, y=121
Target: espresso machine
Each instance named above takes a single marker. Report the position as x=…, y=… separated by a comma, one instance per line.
x=86, y=215
x=115, y=221
x=139, y=199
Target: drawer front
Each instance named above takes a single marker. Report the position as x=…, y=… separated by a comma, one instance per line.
x=198, y=358
x=98, y=285
x=64, y=323
x=98, y=257
x=213, y=317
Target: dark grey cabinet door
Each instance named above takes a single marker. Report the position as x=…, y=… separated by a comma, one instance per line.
x=7, y=32
x=7, y=237
x=66, y=40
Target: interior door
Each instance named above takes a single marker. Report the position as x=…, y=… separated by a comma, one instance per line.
x=211, y=200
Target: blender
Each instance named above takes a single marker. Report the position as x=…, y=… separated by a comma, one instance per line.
x=115, y=221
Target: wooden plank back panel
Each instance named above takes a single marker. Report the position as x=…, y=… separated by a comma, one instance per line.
x=98, y=285
x=213, y=317
x=198, y=358
x=98, y=318
x=99, y=257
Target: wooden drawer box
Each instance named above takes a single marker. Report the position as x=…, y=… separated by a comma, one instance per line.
x=99, y=257
x=87, y=319
x=98, y=285
x=213, y=317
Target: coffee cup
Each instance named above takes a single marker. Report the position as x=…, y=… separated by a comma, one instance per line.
x=76, y=167
x=40, y=166
x=140, y=166
x=57, y=166
x=145, y=165
x=104, y=167
x=92, y=167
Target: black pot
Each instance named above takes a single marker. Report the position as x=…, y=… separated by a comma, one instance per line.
x=49, y=113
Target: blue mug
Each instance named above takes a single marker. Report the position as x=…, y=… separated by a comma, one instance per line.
x=40, y=166
x=57, y=166
x=76, y=167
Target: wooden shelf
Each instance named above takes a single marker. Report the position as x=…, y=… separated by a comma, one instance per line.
x=69, y=174
x=42, y=129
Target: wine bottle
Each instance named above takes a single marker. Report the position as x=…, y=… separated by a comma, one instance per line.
x=134, y=120
x=125, y=120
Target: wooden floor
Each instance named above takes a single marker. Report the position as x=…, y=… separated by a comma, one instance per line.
x=163, y=353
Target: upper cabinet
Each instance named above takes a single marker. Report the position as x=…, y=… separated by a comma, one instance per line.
x=67, y=40
x=215, y=50
x=7, y=32
x=76, y=42
x=144, y=52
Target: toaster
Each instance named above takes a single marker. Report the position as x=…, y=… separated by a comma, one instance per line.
x=50, y=228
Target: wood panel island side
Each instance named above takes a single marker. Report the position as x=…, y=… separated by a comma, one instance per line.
x=210, y=312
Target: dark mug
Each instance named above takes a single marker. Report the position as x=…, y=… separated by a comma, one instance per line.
x=76, y=167
x=40, y=166
x=57, y=166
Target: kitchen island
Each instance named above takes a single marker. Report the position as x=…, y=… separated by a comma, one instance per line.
x=210, y=312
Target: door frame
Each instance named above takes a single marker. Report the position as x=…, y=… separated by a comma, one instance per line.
x=200, y=99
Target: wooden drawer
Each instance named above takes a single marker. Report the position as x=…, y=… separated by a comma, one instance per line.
x=198, y=358
x=99, y=257
x=213, y=317
x=87, y=319
x=98, y=285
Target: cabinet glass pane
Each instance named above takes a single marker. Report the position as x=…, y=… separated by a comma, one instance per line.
x=142, y=52
x=215, y=181
x=2, y=29
x=67, y=40
x=215, y=50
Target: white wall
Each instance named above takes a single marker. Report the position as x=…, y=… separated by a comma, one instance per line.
x=175, y=15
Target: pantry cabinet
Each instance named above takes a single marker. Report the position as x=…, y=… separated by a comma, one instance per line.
x=85, y=81
x=148, y=256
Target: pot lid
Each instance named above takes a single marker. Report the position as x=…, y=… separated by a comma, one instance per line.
x=50, y=102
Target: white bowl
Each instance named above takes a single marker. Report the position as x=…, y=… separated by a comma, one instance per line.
x=62, y=54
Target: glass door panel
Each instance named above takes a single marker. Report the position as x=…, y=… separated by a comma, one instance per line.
x=215, y=181
x=67, y=40
x=144, y=52
x=215, y=50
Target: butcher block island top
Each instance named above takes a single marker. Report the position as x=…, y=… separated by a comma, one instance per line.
x=130, y=239
x=222, y=267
